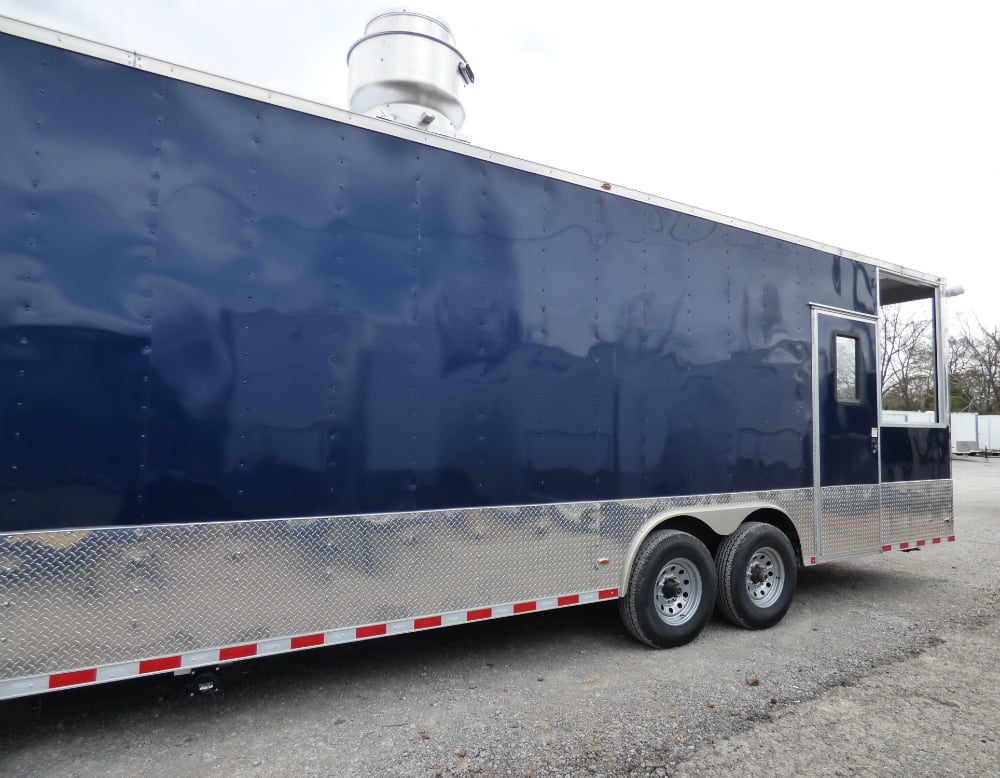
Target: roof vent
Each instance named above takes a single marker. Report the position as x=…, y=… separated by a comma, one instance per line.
x=406, y=68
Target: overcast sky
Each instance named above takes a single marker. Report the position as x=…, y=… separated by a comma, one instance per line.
x=868, y=125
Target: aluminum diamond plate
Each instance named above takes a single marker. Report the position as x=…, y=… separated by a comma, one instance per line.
x=849, y=519
x=916, y=510
x=94, y=597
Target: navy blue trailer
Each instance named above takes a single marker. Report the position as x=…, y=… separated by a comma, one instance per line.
x=274, y=375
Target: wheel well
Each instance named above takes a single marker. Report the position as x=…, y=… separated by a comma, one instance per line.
x=712, y=539
x=693, y=526
x=778, y=519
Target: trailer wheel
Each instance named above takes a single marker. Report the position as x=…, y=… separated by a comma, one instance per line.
x=671, y=590
x=757, y=573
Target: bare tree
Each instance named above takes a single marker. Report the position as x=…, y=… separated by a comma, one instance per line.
x=961, y=378
x=908, y=369
x=908, y=364
x=976, y=370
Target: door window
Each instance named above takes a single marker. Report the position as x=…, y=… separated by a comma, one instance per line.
x=847, y=369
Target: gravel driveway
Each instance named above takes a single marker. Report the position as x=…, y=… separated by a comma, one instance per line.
x=885, y=665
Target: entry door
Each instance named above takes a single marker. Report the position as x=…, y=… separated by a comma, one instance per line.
x=845, y=426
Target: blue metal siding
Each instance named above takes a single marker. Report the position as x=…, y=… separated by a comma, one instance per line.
x=214, y=308
x=915, y=453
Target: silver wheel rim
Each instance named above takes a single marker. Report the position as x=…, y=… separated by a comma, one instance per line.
x=678, y=591
x=765, y=577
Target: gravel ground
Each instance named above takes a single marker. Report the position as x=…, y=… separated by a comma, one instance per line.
x=885, y=665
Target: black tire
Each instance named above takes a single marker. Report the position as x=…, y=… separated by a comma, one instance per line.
x=671, y=590
x=757, y=575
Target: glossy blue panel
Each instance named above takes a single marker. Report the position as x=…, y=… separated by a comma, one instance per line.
x=915, y=453
x=214, y=308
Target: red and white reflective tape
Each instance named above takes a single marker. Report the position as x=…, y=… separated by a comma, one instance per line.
x=20, y=687
x=811, y=560
x=917, y=544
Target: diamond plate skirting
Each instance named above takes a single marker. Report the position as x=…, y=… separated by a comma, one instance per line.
x=83, y=598
x=916, y=510
x=849, y=520
x=87, y=598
